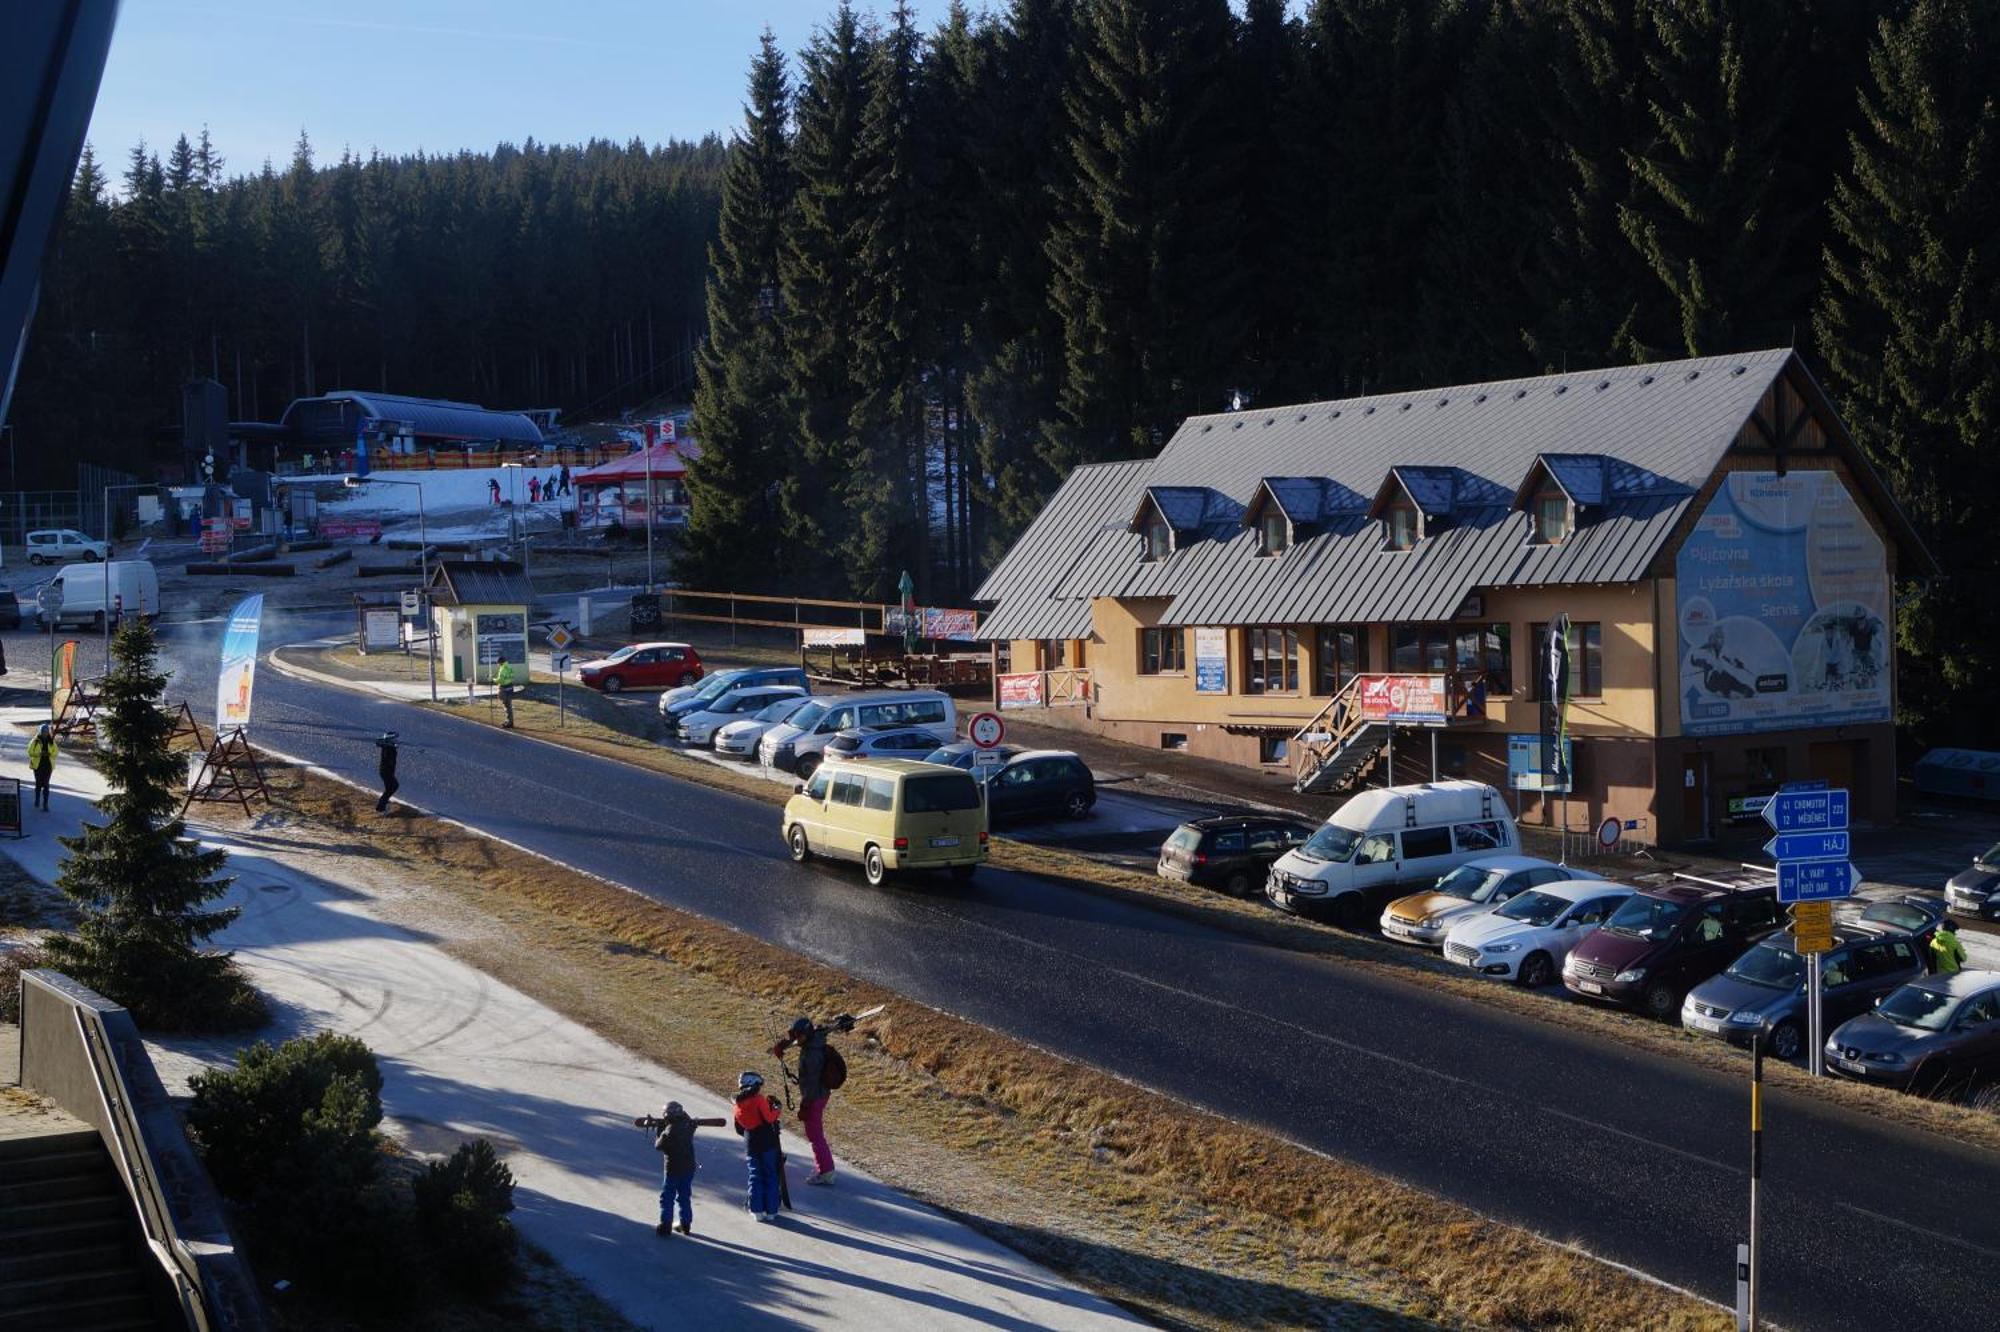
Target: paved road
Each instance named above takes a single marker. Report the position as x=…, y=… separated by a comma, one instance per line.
x=1638, y=1159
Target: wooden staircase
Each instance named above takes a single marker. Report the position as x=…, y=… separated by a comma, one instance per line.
x=1338, y=748
x=70, y=1255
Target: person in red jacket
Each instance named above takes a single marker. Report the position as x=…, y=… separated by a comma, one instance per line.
x=757, y=1123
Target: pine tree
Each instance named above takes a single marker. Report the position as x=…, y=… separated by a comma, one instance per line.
x=1910, y=325
x=1718, y=208
x=1266, y=72
x=747, y=437
x=1143, y=252
x=140, y=884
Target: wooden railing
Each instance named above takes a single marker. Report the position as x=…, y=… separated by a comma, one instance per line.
x=1317, y=742
x=1067, y=686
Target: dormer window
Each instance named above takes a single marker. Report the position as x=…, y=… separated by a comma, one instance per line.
x=1274, y=533
x=1554, y=517
x=1399, y=522
x=1159, y=538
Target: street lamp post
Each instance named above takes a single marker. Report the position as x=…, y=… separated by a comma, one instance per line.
x=124, y=485
x=649, y=516
x=423, y=567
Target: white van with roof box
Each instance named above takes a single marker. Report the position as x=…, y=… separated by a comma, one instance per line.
x=1387, y=842
x=794, y=745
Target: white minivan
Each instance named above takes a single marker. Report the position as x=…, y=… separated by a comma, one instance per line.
x=61, y=544
x=1387, y=842
x=794, y=746
x=133, y=589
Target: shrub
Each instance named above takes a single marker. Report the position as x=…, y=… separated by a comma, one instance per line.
x=14, y=961
x=461, y=1214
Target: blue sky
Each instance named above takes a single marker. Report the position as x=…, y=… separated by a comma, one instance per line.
x=439, y=75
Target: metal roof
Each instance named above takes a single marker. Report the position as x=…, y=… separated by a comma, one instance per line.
x=480, y=583
x=438, y=418
x=1660, y=431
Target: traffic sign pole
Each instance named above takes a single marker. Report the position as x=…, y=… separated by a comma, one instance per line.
x=1756, y=1157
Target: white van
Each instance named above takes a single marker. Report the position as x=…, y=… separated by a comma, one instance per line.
x=58, y=545
x=134, y=590
x=794, y=746
x=1387, y=842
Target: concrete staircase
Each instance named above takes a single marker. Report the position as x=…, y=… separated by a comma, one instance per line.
x=70, y=1256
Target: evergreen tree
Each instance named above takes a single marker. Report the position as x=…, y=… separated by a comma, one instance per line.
x=1910, y=325
x=1144, y=247
x=1267, y=70
x=140, y=885
x=746, y=435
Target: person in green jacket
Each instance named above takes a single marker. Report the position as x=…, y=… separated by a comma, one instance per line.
x=42, y=760
x=1947, y=953
x=504, y=679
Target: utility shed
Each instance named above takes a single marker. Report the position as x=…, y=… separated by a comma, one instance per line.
x=479, y=611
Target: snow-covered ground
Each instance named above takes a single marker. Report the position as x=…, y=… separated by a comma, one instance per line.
x=457, y=504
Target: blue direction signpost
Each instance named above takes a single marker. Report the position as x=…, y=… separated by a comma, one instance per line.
x=1796, y=810
x=1808, y=846
x=1811, y=849
x=1816, y=880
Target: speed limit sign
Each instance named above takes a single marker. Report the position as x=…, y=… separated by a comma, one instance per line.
x=986, y=730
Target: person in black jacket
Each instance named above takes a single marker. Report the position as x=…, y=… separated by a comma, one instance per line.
x=387, y=767
x=675, y=1141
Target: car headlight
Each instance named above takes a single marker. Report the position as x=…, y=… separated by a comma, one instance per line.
x=1889, y=1060
x=1429, y=922
x=1743, y=1019
x=1503, y=948
x=1633, y=976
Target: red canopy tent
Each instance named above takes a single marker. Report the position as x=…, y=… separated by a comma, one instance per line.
x=615, y=491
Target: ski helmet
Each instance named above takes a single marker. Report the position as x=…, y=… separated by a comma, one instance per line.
x=749, y=1082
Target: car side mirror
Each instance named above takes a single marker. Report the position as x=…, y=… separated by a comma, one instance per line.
x=798, y=788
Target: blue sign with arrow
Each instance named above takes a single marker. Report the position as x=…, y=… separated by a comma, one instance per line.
x=1809, y=846
x=1807, y=811
x=1816, y=880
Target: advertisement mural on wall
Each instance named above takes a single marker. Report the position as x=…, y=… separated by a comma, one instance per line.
x=1211, y=661
x=1413, y=700
x=943, y=623
x=1783, y=606
x=239, y=664
x=1021, y=691
x=1528, y=766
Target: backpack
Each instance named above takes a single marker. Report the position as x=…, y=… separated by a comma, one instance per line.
x=833, y=1073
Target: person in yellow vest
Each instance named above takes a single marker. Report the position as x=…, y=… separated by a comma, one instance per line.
x=42, y=761
x=1947, y=953
x=504, y=680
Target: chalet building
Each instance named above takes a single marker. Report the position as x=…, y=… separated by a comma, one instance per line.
x=1338, y=589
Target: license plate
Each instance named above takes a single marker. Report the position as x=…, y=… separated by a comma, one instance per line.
x=1704, y=1024
x=944, y=841
x=1590, y=987
x=1851, y=1065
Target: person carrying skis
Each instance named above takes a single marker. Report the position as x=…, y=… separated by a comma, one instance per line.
x=675, y=1141
x=757, y=1125
x=42, y=762
x=821, y=1070
x=387, y=767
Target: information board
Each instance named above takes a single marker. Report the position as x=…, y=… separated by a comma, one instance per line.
x=1211, y=661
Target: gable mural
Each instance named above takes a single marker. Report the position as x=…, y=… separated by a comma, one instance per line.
x=1783, y=606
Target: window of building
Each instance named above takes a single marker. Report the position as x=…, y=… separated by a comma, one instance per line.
x=1274, y=533
x=1159, y=538
x=1340, y=652
x=1554, y=518
x=1173, y=739
x=1400, y=527
x=1054, y=653
x=1273, y=748
x=1161, y=652
x=1586, y=658
x=1486, y=651
x=1272, y=660
x=1417, y=649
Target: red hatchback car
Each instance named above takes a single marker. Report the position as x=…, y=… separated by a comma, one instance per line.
x=643, y=666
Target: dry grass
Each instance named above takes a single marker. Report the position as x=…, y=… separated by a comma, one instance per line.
x=1189, y=1218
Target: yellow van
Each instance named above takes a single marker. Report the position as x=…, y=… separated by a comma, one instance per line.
x=889, y=814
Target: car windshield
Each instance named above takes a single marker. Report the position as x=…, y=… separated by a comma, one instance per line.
x=1990, y=856
x=1900, y=914
x=715, y=684
x=808, y=716
x=1534, y=908
x=1331, y=842
x=1915, y=1006
x=1185, y=839
x=780, y=710
x=940, y=795
x=1644, y=917
x=1769, y=965
x=951, y=756
x=1470, y=883
x=622, y=653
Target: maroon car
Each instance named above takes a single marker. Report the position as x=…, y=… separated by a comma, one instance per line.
x=1665, y=941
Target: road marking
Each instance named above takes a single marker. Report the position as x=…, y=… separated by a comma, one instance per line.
x=1641, y=1138
x=1925, y=1231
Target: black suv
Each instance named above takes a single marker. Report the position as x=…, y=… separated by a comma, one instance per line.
x=1041, y=782
x=1232, y=852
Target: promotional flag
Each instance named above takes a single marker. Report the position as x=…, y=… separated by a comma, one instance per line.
x=1555, y=701
x=62, y=676
x=239, y=665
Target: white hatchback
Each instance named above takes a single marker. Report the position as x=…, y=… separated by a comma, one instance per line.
x=1528, y=938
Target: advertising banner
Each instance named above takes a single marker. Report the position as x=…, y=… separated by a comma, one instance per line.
x=1783, y=607
x=1555, y=698
x=62, y=676
x=1411, y=700
x=342, y=529
x=1021, y=691
x=834, y=638
x=1211, y=661
x=239, y=664
x=944, y=623
x=1529, y=770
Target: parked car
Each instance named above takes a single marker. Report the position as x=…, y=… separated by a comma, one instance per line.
x=1764, y=991
x=738, y=740
x=794, y=746
x=876, y=742
x=1397, y=837
x=1232, y=852
x=642, y=666
x=62, y=544
x=1528, y=938
x=10, y=608
x=1935, y=1033
x=699, y=727
x=890, y=815
x=958, y=754
x=1975, y=891
x=720, y=682
x=1476, y=886
x=1040, y=782
x=1914, y=914
x=1665, y=941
